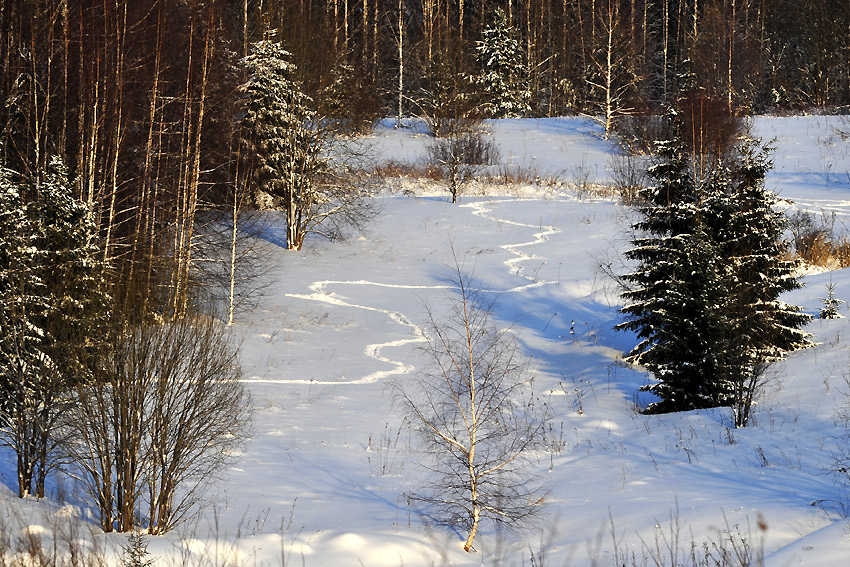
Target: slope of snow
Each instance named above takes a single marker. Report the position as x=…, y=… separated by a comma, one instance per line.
x=323, y=481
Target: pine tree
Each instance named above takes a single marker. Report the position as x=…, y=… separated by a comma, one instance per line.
x=501, y=80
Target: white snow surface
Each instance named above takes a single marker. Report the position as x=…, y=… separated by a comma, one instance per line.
x=324, y=477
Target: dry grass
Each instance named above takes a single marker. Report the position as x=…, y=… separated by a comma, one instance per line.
x=401, y=170
x=52, y=539
x=816, y=240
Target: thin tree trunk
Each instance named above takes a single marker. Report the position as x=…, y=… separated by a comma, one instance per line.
x=400, y=62
x=729, y=67
x=472, y=427
x=244, y=28
x=193, y=176
x=365, y=25
x=666, y=43
x=609, y=75
x=460, y=24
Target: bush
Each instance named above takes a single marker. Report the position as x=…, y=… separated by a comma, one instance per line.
x=460, y=155
x=816, y=242
x=161, y=425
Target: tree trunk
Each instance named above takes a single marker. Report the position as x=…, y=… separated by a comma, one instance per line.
x=400, y=62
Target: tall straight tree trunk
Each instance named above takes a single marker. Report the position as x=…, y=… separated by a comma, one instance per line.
x=144, y=222
x=118, y=132
x=194, y=125
x=244, y=28
x=400, y=62
x=365, y=25
x=345, y=26
x=729, y=66
x=460, y=24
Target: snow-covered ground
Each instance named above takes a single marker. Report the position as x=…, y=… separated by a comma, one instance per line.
x=323, y=480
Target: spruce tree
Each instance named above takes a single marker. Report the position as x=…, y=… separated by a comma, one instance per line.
x=704, y=299
x=22, y=308
x=53, y=309
x=761, y=328
x=501, y=80
x=283, y=135
x=675, y=303
x=831, y=304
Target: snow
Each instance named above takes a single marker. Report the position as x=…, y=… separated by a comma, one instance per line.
x=323, y=480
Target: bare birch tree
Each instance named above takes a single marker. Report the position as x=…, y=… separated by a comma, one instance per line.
x=472, y=407
x=612, y=71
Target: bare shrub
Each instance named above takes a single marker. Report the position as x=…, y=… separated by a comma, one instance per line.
x=816, y=241
x=461, y=155
x=477, y=421
x=638, y=133
x=161, y=425
x=520, y=175
x=628, y=174
x=396, y=169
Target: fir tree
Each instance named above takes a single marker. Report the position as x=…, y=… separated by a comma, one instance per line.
x=501, y=80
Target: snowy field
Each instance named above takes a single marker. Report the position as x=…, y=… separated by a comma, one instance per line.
x=323, y=480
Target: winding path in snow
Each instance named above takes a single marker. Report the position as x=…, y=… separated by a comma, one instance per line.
x=320, y=293
x=480, y=209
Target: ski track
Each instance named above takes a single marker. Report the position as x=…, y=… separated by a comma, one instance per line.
x=320, y=294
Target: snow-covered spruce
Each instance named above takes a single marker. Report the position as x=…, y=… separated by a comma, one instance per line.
x=506, y=93
x=52, y=310
x=705, y=297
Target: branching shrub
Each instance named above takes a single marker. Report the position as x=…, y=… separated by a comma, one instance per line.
x=461, y=155
x=161, y=425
